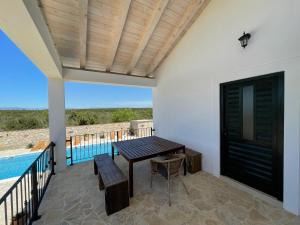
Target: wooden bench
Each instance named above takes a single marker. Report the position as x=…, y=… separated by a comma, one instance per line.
x=113, y=181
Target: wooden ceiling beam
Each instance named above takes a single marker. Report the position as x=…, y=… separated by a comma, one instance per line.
x=125, y=6
x=149, y=29
x=88, y=76
x=83, y=12
x=191, y=13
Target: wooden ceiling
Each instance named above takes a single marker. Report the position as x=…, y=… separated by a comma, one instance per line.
x=130, y=37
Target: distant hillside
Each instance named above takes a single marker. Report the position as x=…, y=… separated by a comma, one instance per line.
x=11, y=120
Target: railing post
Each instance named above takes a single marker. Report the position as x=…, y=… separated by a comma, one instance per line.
x=117, y=141
x=152, y=130
x=52, y=158
x=34, y=193
x=71, y=150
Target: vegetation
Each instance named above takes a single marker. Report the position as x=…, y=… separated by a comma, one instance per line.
x=30, y=145
x=33, y=119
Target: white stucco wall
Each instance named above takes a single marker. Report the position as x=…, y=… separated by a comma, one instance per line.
x=57, y=127
x=186, y=99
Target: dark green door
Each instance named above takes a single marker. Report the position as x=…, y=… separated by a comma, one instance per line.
x=252, y=132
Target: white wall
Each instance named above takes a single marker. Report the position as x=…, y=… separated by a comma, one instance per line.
x=186, y=99
x=57, y=129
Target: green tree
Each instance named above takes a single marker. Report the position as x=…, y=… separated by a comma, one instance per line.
x=32, y=119
x=123, y=115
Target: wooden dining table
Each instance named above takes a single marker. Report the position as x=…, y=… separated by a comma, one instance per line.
x=139, y=149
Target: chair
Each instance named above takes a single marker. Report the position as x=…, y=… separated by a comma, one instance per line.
x=169, y=167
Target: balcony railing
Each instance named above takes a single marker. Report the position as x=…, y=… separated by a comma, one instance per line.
x=84, y=147
x=19, y=205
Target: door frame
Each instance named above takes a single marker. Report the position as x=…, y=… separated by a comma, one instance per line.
x=280, y=129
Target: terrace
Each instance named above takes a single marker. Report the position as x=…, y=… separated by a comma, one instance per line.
x=237, y=105
x=211, y=201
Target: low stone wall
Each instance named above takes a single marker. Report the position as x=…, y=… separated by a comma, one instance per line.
x=140, y=124
x=136, y=125
x=92, y=129
x=20, y=139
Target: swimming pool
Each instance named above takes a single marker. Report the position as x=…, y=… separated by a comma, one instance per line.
x=15, y=166
x=83, y=153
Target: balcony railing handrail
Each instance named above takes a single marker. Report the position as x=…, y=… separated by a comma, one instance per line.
x=112, y=131
x=89, y=144
x=51, y=144
x=21, y=201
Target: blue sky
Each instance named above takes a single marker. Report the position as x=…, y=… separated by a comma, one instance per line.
x=23, y=85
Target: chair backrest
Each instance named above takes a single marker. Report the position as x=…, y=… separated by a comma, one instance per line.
x=175, y=163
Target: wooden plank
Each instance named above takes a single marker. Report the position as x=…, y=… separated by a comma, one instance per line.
x=192, y=12
x=119, y=29
x=83, y=10
x=153, y=21
x=70, y=62
x=145, y=147
x=61, y=6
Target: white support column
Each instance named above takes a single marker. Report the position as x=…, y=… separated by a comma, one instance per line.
x=57, y=128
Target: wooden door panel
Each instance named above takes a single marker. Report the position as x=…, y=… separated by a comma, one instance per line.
x=251, y=138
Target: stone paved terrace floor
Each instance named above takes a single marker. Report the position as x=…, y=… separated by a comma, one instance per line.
x=73, y=197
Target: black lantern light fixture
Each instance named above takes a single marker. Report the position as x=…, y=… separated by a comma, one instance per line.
x=244, y=39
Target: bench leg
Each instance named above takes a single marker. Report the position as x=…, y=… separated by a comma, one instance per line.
x=95, y=168
x=116, y=197
x=112, y=152
x=130, y=179
x=101, y=185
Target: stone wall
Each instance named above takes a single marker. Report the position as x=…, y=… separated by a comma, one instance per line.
x=20, y=139
x=136, y=125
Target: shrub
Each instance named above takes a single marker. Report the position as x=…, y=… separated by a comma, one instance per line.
x=32, y=119
x=82, y=121
x=23, y=119
x=123, y=115
x=82, y=118
x=131, y=131
x=30, y=145
x=29, y=123
x=102, y=135
x=23, y=123
x=12, y=124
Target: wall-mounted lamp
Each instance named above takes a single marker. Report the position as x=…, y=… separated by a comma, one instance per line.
x=244, y=39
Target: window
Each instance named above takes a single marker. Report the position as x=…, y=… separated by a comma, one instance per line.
x=248, y=112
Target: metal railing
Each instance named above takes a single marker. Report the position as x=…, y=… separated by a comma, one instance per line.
x=84, y=147
x=19, y=205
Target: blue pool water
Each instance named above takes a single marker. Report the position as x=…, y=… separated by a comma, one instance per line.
x=84, y=153
x=16, y=165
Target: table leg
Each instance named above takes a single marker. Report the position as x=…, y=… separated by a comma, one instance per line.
x=112, y=152
x=130, y=179
x=184, y=162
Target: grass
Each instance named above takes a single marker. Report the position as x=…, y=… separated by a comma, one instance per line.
x=11, y=120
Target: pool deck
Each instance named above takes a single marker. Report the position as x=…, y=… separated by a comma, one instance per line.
x=14, y=152
x=73, y=197
x=6, y=184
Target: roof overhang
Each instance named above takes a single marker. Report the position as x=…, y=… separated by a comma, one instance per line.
x=120, y=42
x=87, y=76
x=23, y=22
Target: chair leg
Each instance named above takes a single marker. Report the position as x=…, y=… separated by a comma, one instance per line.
x=151, y=177
x=185, y=187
